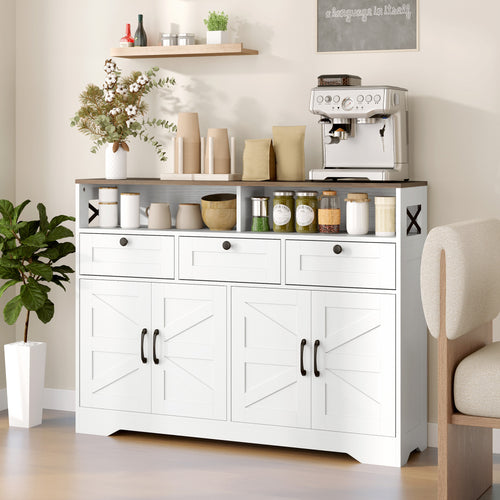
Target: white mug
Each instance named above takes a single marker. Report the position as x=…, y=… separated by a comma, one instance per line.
x=129, y=210
x=159, y=216
x=108, y=214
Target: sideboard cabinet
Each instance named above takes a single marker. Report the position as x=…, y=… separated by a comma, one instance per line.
x=269, y=338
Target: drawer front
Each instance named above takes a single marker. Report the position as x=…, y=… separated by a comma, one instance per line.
x=229, y=259
x=358, y=265
x=140, y=256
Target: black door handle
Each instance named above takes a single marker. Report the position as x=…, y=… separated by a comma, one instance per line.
x=303, y=343
x=226, y=245
x=337, y=249
x=143, y=334
x=316, y=345
x=155, y=335
x=123, y=242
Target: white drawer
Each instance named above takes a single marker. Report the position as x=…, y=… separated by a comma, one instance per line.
x=357, y=265
x=243, y=260
x=127, y=255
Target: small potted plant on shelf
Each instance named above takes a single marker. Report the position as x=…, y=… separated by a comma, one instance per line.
x=30, y=254
x=216, y=24
x=115, y=112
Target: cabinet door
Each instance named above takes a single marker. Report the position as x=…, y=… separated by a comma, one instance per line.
x=190, y=377
x=112, y=317
x=267, y=329
x=355, y=391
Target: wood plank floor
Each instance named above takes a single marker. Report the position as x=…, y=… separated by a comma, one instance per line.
x=52, y=462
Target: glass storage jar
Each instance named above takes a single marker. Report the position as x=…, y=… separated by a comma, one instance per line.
x=329, y=213
x=260, y=220
x=357, y=214
x=283, y=205
x=306, y=212
x=385, y=215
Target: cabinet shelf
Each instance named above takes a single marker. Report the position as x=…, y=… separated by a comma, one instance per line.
x=224, y=49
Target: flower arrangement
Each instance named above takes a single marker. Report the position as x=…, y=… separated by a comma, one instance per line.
x=216, y=21
x=116, y=111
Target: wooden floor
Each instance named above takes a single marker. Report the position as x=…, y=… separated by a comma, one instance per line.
x=52, y=462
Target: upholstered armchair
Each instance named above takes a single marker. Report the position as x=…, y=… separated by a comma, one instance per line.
x=460, y=285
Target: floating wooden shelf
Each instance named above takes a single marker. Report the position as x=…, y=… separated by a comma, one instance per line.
x=225, y=49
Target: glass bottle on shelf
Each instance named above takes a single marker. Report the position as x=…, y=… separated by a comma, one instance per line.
x=140, y=38
x=260, y=217
x=329, y=213
x=127, y=40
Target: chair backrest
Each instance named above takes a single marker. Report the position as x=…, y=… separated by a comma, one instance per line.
x=472, y=254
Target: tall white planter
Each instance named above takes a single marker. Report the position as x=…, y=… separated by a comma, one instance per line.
x=25, y=372
x=116, y=163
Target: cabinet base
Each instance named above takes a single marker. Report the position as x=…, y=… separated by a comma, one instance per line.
x=367, y=449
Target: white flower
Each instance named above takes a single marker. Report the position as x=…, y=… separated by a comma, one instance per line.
x=142, y=80
x=115, y=111
x=134, y=87
x=104, y=86
x=121, y=89
x=131, y=110
x=109, y=95
x=110, y=80
x=110, y=66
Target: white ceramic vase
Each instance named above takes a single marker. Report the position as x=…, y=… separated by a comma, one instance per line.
x=116, y=163
x=25, y=373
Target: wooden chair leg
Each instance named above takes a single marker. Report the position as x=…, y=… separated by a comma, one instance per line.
x=465, y=462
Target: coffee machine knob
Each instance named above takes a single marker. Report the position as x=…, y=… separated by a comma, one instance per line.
x=347, y=104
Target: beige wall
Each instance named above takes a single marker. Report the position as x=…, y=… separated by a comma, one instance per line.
x=452, y=81
x=7, y=142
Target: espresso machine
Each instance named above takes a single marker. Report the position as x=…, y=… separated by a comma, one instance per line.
x=363, y=128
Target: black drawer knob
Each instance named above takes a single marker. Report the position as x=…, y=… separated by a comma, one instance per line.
x=123, y=242
x=337, y=249
x=226, y=245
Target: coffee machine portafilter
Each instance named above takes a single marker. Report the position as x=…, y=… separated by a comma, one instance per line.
x=364, y=132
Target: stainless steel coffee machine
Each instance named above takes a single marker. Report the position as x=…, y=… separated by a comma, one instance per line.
x=364, y=132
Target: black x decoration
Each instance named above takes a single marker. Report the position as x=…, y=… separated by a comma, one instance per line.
x=95, y=212
x=412, y=213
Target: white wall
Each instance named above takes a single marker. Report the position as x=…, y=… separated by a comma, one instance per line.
x=452, y=81
x=7, y=143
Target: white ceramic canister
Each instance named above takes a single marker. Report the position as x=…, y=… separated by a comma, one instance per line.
x=385, y=215
x=108, y=194
x=129, y=210
x=357, y=216
x=108, y=214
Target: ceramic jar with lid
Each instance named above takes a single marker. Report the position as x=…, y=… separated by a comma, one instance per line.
x=357, y=216
x=306, y=212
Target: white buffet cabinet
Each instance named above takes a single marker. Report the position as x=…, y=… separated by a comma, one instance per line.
x=275, y=340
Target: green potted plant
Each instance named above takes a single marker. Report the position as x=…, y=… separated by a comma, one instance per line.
x=216, y=24
x=30, y=254
x=115, y=112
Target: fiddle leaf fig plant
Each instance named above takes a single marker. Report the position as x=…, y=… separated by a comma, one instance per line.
x=30, y=252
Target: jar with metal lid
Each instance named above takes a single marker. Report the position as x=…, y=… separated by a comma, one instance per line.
x=329, y=213
x=283, y=219
x=168, y=39
x=357, y=214
x=260, y=220
x=185, y=39
x=306, y=212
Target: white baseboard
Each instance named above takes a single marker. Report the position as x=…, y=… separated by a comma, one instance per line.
x=3, y=399
x=59, y=399
x=432, y=437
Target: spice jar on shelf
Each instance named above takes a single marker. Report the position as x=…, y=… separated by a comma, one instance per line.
x=306, y=212
x=385, y=216
x=357, y=213
x=260, y=219
x=283, y=205
x=329, y=213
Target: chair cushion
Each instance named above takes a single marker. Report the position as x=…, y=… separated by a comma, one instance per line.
x=477, y=382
